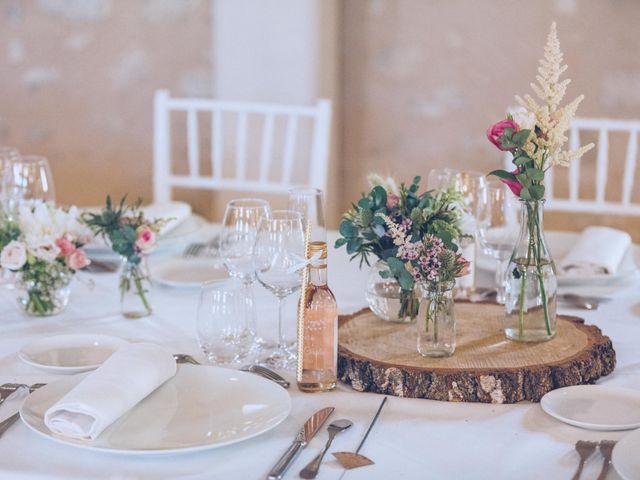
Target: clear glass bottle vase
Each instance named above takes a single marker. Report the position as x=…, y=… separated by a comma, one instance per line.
x=436, y=320
x=531, y=281
x=135, y=289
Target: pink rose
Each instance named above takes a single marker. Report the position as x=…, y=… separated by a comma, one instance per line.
x=466, y=266
x=65, y=246
x=392, y=201
x=78, y=260
x=496, y=132
x=13, y=256
x=146, y=239
x=514, y=185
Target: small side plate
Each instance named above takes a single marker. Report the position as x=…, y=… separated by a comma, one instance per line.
x=594, y=407
x=72, y=353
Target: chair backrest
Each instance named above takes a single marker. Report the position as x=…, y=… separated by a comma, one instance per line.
x=598, y=204
x=318, y=158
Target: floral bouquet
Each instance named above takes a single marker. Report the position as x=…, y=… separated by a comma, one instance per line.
x=133, y=237
x=414, y=233
x=44, y=246
x=536, y=137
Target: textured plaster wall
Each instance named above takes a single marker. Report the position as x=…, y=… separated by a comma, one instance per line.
x=422, y=80
x=77, y=80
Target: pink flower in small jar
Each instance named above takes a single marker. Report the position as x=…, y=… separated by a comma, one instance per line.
x=13, y=256
x=66, y=247
x=496, y=132
x=392, y=201
x=146, y=239
x=514, y=185
x=78, y=260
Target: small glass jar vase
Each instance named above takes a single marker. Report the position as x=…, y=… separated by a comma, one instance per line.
x=436, y=320
x=531, y=281
x=386, y=298
x=45, y=291
x=135, y=289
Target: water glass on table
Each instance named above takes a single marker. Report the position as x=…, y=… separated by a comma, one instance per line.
x=309, y=202
x=220, y=321
x=279, y=260
x=32, y=181
x=237, y=239
x=473, y=188
x=441, y=178
x=499, y=224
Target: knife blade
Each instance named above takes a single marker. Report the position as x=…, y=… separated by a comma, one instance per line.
x=304, y=435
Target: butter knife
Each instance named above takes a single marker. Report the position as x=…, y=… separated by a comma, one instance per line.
x=306, y=433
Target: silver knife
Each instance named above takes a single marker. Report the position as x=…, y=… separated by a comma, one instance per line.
x=306, y=433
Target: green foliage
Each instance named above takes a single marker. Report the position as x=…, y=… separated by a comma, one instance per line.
x=118, y=224
x=9, y=230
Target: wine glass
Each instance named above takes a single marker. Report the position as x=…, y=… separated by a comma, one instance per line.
x=33, y=181
x=309, y=202
x=440, y=178
x=8, y=158
x=237, y=239
x=498, y=222
x=279, y=260
x=219, y=321
x=473, y=188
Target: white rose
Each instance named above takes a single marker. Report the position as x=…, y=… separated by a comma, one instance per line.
x=13, y=256
x=524, y=118
x=46, y=251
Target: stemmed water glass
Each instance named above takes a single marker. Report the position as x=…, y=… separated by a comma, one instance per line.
x=440, y=178
x=473, y=188
x=499, y=225
x=237, y=240
x=279, y=260
x=32, y=180
x=309, y=202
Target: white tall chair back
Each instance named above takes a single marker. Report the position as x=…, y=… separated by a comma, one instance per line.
x=318, y=159
x=598, y=204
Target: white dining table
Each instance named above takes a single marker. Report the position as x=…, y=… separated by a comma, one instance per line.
x=413, y=438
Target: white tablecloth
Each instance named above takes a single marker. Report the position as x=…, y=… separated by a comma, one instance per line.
x=414, y=439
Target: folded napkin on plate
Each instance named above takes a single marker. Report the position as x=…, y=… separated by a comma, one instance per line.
x=599, y=250
x=128, y=376
x=177, y=211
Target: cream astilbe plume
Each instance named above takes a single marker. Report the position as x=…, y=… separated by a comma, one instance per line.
x=553, y=121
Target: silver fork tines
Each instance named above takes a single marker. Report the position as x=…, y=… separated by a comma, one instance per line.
x=585, y=450
x=193, y=249
x=606, y=449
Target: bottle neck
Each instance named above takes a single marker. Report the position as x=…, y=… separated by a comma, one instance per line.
x=531, y=239
x=318, y=273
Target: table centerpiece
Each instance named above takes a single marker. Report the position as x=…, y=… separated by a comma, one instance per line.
x=133, y=237
x=535, y=135
x=43, y=246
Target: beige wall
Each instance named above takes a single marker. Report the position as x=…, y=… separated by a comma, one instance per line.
x=419, y=81
x=422, y=80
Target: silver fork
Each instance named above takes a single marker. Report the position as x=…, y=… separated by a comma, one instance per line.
x=585, y=450
x=193, y=250
x=184, y=358
x=7, y=389
x=5, y=424
x=266, y=373
x=606, y=449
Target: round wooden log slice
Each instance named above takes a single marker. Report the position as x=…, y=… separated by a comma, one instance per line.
x=378, y=356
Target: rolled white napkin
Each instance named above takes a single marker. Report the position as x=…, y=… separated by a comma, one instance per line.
x=128, y=376
x=599, y=250
x=178, y=212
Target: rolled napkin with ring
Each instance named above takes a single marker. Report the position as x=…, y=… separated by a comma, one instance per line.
x=598, y=251
x=128, y=376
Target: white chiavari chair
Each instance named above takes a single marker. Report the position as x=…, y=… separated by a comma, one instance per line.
x=623, y=205
x=261, y=181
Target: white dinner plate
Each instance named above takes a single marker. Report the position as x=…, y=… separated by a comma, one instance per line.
x=73, y=353
x=200, y=408
x=559, y=244
x=187, y=272
x=625, y=457
x=595, y=407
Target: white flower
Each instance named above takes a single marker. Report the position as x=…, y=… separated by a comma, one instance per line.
x=13, y=256
x=524, y=118
x=45, y=251
x=389, y=184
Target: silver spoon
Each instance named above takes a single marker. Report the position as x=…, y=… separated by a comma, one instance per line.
x=311, y=470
